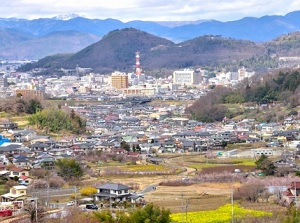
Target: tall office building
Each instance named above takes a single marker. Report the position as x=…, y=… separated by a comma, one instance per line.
x=119, y=80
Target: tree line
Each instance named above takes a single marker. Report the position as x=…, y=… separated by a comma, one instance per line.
x=18, y=105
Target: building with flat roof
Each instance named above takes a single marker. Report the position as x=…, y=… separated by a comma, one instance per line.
x=147, y=91
x=119, y=80
x=31, y=94
x=186, y=77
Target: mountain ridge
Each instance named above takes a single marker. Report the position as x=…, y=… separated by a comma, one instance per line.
x=258, y=30
x=116, y=50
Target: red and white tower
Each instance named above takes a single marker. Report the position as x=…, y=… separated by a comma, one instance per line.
x=138, y=70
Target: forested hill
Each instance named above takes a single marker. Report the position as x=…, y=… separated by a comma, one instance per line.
x=116, y=51
x=283, y=86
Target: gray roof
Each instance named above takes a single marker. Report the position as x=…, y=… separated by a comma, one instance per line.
x=113, y=186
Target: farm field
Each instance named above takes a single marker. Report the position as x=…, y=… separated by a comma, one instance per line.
x=222, y=214
x=200, y=196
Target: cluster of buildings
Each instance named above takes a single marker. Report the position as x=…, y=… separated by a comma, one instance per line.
x=82, y=84
x=156, y=129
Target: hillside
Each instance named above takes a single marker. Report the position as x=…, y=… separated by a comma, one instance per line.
x=9, y=37
x=32, y=36
x=116, y=51
x=279, y=86
x=48, y=64
x=285, y=45
x=24, y=47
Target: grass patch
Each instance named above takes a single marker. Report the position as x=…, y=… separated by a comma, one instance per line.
x=243, y=161
x=22, y=121
x=3, y=190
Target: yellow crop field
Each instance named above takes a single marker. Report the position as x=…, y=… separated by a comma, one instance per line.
x=221, y=215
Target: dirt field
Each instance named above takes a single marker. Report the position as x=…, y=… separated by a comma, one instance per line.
x=204, y=196
x=198, y=197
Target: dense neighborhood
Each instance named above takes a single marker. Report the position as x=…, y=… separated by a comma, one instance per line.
x=121, y=128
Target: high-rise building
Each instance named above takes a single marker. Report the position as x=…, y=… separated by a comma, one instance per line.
x=119, y=80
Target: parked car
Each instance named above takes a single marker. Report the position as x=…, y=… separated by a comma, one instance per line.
x=71, y=203
x=91, y=207
x=4, y=213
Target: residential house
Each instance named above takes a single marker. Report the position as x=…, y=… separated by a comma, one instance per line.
x=169, y=145
x=11, y=148
x=291, y=194
x=8, y=125
x=112, y=192
x=82, y=148
x=39, y=146
x=25, y=180
x=64, y=143
x=104, y=146
x=18, y=172
x=3, y=159
x=23, y=135
x=22, y=161
x=16, y=193
x=45, y=161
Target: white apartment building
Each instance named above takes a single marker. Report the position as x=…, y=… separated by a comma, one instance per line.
x=243, y=73
x=186, y=77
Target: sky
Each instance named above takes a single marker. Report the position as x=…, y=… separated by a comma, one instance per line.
x=148, y=10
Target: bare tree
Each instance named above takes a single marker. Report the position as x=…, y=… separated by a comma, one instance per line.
x=250, y=192
x=38, y=172
x=35, y=211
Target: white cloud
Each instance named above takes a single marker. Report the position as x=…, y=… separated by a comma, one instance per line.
x=127, y=10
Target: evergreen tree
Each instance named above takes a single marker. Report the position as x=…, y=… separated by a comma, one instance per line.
x=265, y=165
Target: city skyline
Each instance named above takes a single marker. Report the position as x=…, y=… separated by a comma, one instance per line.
x=154, y=10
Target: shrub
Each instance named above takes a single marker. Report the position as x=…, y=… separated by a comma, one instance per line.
x=56, y=182
x=88, y=191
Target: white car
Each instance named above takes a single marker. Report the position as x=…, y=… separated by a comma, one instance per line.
x=71, y=203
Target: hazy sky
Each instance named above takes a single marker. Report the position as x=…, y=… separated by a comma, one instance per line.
x=149, y=10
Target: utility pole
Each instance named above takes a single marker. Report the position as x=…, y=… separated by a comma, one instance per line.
x=75, y=190
x=36, y=211
x=182, y=220
x=110, y=200
x=232, y=206
x=296, y=201
x=186, y=208
x=48, y=186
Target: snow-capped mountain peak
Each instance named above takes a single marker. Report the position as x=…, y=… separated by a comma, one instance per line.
x=66, y=16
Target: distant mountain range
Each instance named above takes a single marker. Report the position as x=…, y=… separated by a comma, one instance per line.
x=35, y=39
x=116, y=51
